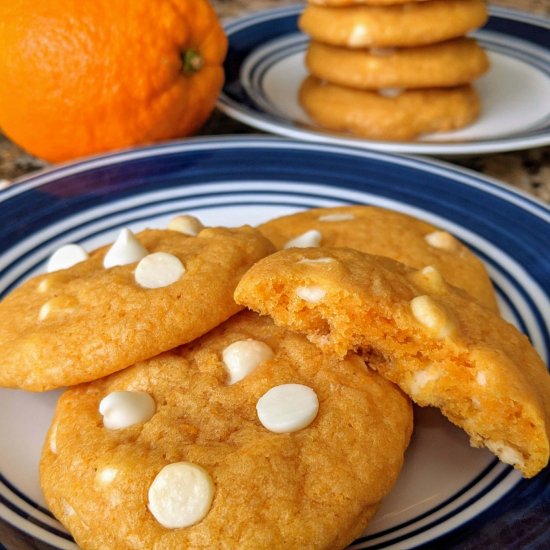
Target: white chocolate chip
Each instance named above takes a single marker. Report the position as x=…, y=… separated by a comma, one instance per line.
x=106, y=475
x=358, y=36
x=121, y=409
x=382, y=52
x=481, y=378
x=68, y=510
x=44, y=311
x=242, y=357
x=125, y=250
x=311, y=294
x=188, y=225
x=342, y=217
x=390, y=92
x=432, y=316
x=65, y=257
x=442, y=240
x=53, y=439
x=430, y=279
x=180, y=495
x=287, y=408
x=420, y=379
x=159, y=270
x=316, y=261
x=57, y=304
x=305, y=240
x=44, y=285
x=507, y=454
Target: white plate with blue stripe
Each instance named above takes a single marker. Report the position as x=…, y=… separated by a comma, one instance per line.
x=449, y=494
x=265, y=67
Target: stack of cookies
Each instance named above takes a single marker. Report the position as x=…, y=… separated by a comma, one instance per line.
x=193, y=422
x=392, y=69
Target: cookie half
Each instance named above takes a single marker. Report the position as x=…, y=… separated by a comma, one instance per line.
x=386, y=233
x=410, y=24
x=266, y=475
x=438, y=344
x=446, y=64
x=86, y=321
x=389, y=114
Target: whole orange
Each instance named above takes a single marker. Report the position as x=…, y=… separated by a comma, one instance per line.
x=79, y=77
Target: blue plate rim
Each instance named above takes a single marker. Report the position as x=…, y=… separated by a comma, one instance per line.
x=44, y=175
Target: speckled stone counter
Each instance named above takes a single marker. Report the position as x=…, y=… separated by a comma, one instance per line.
x=528, y=170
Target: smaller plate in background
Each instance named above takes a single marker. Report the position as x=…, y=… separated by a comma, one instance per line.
x=265, y=67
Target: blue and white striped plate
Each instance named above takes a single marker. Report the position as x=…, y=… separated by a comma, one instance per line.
x=448, y=491
x=265, y=67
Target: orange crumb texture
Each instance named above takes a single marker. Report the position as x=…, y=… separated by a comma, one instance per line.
x=444, y=349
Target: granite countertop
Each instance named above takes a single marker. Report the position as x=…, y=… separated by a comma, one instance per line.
x=528, y=170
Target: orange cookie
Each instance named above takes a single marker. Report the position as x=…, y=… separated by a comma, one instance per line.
x=374, y=230
x=91, y=316
x=411, y=24
x=250, y=438
x=445, y=64
x=388, y=114
x=438, y=344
